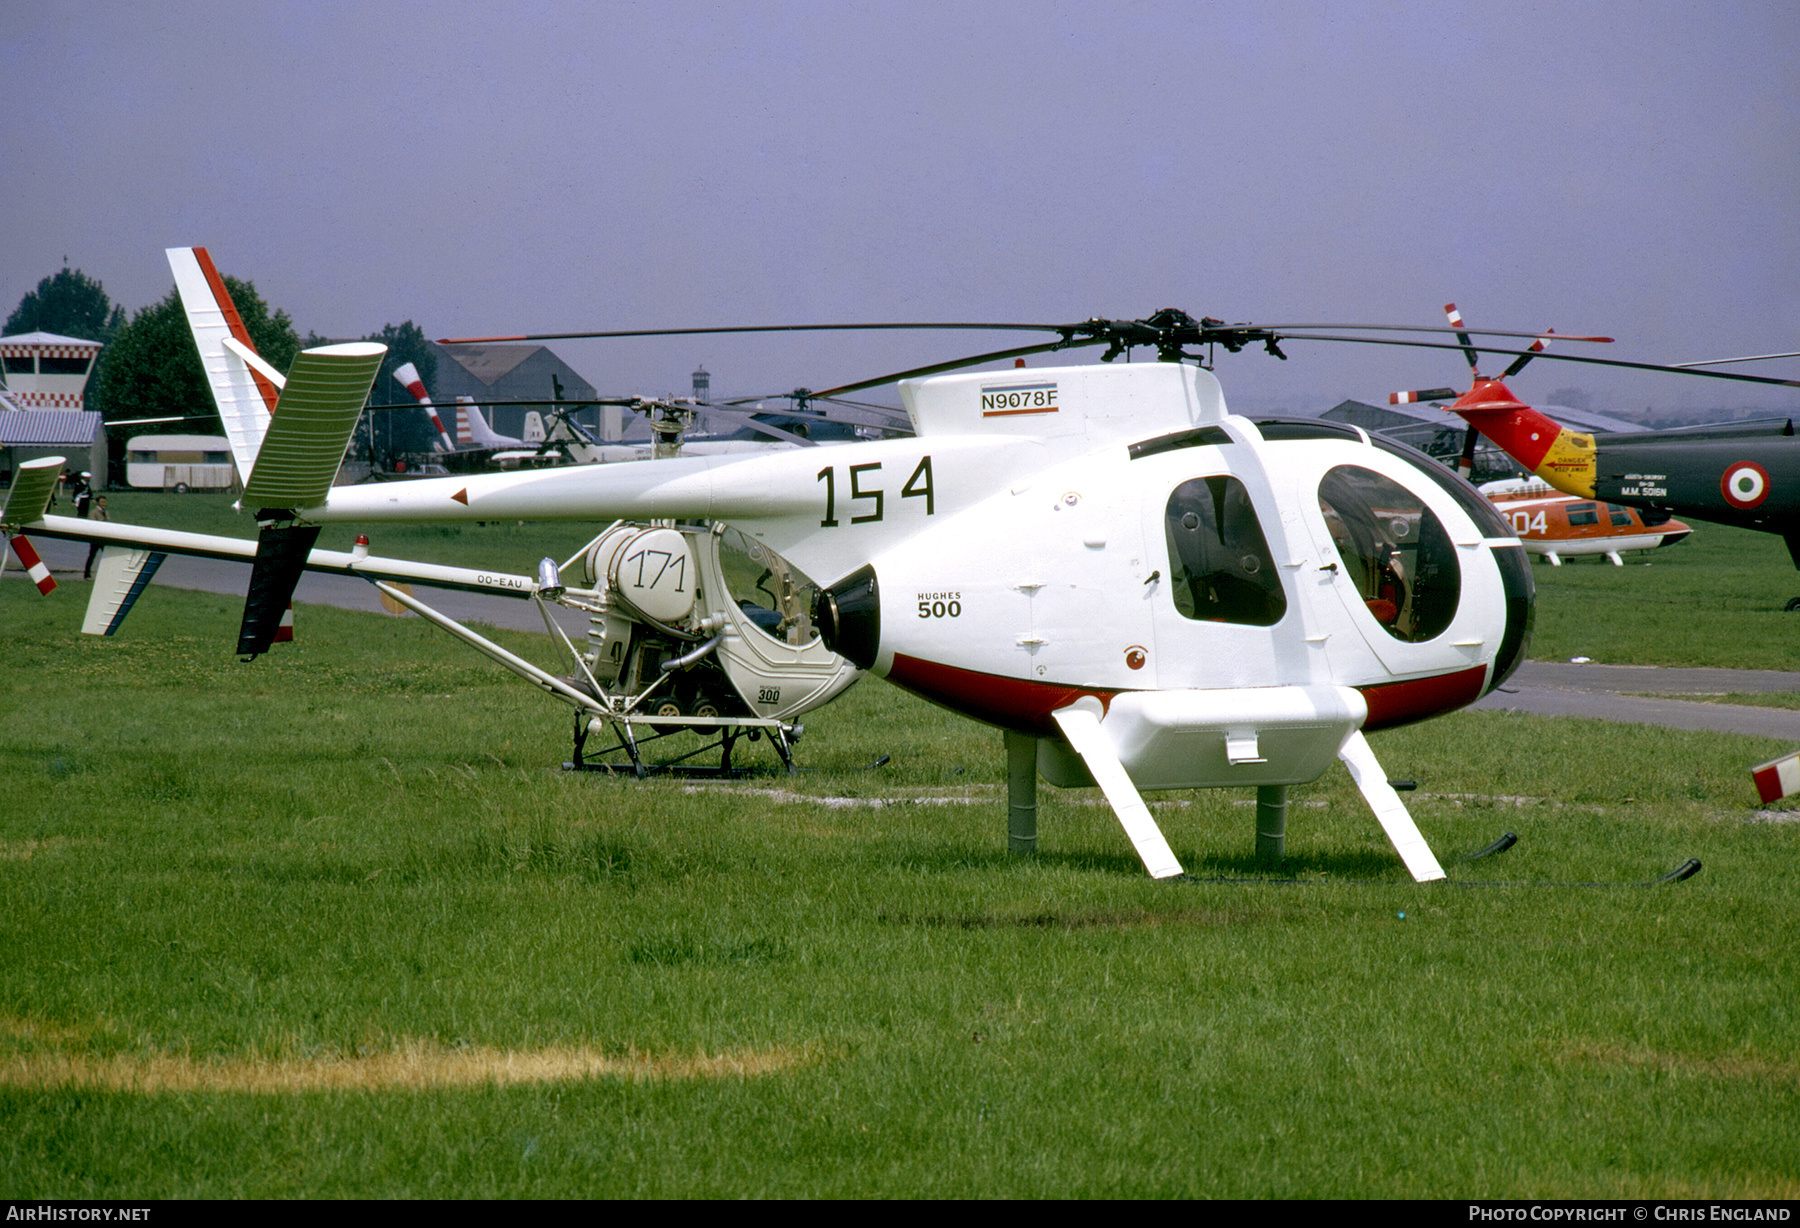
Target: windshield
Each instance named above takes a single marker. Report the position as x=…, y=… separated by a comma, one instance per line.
x=1395, y=551
x=772, y=593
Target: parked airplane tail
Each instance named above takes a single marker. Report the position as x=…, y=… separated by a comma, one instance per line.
x=470, y=419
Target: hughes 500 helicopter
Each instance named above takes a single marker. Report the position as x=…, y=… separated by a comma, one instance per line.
x=1141, y=589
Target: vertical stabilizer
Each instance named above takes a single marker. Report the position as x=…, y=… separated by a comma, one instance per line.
x=245, y=396
x=281, y=553
x=120, y=578
x=1563, y=458
x=476, y=423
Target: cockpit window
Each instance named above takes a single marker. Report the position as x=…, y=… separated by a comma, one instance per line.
x=1395, y=551
x=1219, y=560
x=772, y=593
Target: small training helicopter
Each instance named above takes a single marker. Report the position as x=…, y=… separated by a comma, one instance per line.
x=692, y=627
x=1744, y=474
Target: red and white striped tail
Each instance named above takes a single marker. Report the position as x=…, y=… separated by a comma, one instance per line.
x=408, y=375
x=284, y=630
x=34, y=566
x=1777, y=778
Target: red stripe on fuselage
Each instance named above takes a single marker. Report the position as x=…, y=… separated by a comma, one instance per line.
x=1011, y=703
x=1025, y=706
x=1402, y=703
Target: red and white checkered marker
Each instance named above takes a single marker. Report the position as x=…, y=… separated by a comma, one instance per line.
x=34, y=566
x=408, y=375
x=1424, y=394
x=1778, y=777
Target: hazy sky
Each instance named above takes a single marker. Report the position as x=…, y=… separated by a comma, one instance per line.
x=1622, y=168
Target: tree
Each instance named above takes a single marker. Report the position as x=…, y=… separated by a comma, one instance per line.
x=70, y=304
x=152, y=369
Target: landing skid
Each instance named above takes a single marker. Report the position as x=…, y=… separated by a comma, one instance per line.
x=630, y=734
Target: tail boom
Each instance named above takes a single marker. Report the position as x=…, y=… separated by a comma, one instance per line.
x=1559, y=456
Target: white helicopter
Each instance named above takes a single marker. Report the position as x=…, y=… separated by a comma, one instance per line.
x=1143, y=590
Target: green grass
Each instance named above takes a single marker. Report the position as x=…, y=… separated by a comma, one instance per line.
x=1752, y=699
x=243, y=901
x=1715, y=599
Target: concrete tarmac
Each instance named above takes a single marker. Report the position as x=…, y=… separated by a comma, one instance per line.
x=1544, y=688
x=1634, y=694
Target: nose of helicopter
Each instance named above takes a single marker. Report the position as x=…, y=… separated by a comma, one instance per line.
x=849, y=617
x=1521, y=610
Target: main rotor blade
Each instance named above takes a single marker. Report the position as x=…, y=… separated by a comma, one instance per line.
x=1468, y=346
x=743, y=419
x=627, y=402
x=1715, y=362
x=852, y=412
x=760, y=328
x=973, y=360
x=1292, y=330
x=1595, y=362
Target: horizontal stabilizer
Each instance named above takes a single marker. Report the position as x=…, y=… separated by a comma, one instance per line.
x=120, y=577
x=32, y=487
x=325, y=392
x=1080, y=724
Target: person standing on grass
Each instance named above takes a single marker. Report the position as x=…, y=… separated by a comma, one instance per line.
x=97, y=512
